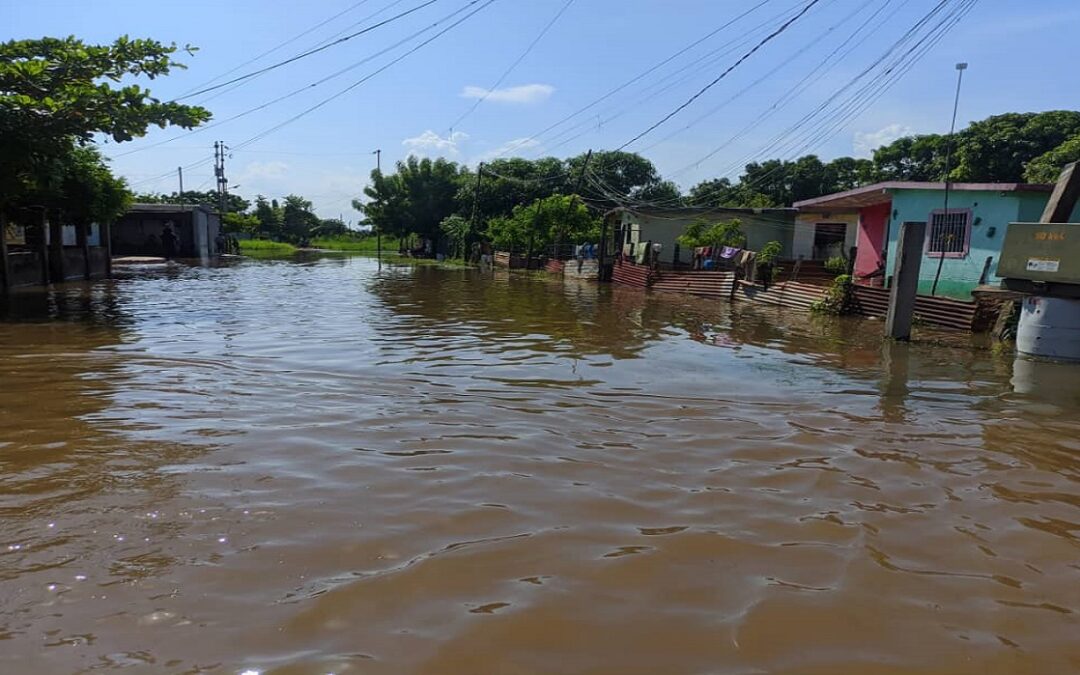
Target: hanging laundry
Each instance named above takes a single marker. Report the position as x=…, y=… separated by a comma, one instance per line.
x=729, y=252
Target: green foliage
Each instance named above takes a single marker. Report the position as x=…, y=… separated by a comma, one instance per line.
x=352, y=242
x=240, y=223
x=1046, y=168
x=837, y=299
x=457, y=230
x=998, y=148
x=265, y=246
x=544, y=222
x=702, y=232
x=60, y=92
x=415, y=199
x=769, y=252
x=233, y=203
x=836, y=265
x=298, y=221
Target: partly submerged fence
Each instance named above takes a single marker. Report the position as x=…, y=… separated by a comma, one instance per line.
x=932, y=310
x=866, y=300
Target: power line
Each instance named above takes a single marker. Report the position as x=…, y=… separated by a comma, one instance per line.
x=278, y=46
x=645, y=73
x=724, y=74
x=312, y=85
x=310, y=52
x=515, y=64
x=364, y=79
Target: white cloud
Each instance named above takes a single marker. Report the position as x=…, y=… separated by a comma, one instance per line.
x=510, y=148
x=430, y=143
x=867, y=141
x=255, y=171
x=526, y=93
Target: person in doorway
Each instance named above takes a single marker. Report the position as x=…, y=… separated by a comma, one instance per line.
x=220, y=245
x=170, y=243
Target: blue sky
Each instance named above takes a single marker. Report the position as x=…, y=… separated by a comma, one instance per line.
x=1016, y=53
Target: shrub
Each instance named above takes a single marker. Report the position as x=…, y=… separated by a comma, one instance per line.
x=837, y=299
x=836, y=265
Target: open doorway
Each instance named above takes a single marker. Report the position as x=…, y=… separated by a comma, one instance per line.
x=829, y=240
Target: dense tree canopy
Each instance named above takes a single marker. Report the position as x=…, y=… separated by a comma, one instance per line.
x=57, y=94
x=233, y=203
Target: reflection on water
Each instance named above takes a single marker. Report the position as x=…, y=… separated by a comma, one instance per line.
x=316, y=467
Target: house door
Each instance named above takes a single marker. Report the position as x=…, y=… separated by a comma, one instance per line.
x=829, y=240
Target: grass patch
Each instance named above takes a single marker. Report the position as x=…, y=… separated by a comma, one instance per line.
x=354, y=244
x=265, y=246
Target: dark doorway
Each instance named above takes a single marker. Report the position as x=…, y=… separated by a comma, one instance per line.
x=829, y=240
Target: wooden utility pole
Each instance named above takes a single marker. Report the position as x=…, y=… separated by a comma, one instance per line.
x=905, y=285
x=1063, y=200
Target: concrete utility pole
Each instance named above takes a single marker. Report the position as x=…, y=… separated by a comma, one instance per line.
x=960, y=68
x=378, y=232
x=1066, y=193
x=180, y=174
x=570, y=206
x=475, y=203
x=905, y=285
x=219, y=172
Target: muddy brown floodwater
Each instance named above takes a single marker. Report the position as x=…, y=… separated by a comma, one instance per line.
x=316, y=467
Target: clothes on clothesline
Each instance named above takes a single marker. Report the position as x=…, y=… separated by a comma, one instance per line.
x=729, y=252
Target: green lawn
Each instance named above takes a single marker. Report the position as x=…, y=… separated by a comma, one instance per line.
x=249, y=246
x=357, y=244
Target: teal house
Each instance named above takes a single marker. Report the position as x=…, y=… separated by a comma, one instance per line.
x=964, y=242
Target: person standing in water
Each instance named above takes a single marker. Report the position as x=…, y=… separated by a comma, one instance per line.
x=170, y=243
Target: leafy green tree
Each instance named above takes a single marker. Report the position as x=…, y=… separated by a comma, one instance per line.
x=387, y=206
x=58, y=91
x=506, y=183
x=457, y=230
x=240, y=223
x=270, y=216
x=1046, y=168
x=704, y=232
x=330, y=227
x=998, y=148
x=87, y=191
x=299, y=222
x=535, y=227
x=233, y=203
x=663, y=193
x=614, y=177
x=918, y=158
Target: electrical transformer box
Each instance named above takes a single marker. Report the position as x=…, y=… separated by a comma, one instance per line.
x=1047, y=253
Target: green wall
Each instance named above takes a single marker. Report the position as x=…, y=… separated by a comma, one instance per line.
x=991, y=214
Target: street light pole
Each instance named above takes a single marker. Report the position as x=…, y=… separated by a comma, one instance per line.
x=960, y=68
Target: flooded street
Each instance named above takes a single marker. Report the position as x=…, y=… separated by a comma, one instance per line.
x=317, y=467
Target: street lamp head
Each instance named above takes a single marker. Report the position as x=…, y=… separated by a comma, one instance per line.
x=961, y=66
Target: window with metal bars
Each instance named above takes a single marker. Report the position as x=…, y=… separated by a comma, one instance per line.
x=950, y=233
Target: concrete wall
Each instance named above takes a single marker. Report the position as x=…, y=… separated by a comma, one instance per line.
x=760, y=229
x=25, y=268
x=806, y=227
x=873, y=224
x=991, y=213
